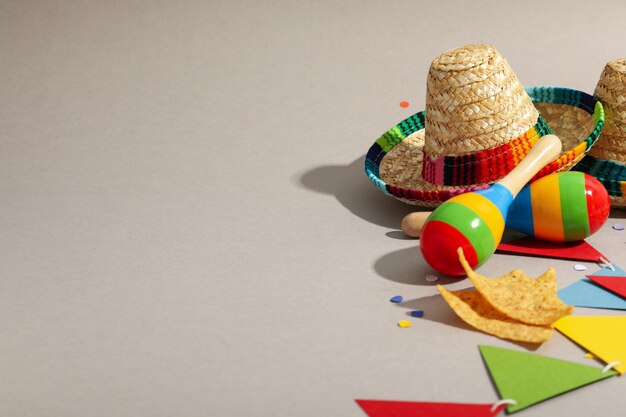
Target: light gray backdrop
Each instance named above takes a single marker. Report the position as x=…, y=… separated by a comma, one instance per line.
x=185, y=227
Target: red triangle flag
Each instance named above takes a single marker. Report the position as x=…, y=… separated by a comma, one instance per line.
x=580, y=251
x=616, y=284
x=377, y=408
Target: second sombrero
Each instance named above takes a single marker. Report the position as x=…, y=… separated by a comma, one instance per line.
x=607, y=159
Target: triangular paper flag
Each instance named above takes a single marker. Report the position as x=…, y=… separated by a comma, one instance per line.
x=528, y=378
x=608, y=272
x=378, y=408
x=612, y=280
x=580, y=251
x=613, y=284
x=585, y=293
x=604, y=336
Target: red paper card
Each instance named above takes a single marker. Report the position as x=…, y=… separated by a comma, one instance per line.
x=580, y=251
x=616, y=284
x=376, y=408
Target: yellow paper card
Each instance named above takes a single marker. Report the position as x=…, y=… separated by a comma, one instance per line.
x=604, y=336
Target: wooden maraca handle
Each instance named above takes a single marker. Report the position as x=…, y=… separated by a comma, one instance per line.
x=412, y=223
x=546, y=149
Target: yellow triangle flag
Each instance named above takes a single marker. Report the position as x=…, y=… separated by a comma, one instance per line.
x=604, y=336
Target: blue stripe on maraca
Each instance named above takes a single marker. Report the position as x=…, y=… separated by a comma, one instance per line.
x=520, y=216
x=500, y=196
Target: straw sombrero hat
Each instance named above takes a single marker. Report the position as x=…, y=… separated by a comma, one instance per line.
x=607, y=159
x=478, y=124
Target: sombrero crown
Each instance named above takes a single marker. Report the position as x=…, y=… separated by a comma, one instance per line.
x=478, y=124
x=607, y=159
x=611, y=90
x=474, y=105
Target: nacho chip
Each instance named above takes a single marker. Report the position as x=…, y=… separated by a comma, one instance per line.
x=473, y=309
x=530, y=301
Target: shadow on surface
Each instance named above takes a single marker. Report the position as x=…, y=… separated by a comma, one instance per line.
x=354, y=191
x=436, y=309
x=407, y=266
x=398, y=234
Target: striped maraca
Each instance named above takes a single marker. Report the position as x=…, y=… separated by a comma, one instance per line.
x=561, y=207
x=474, y=221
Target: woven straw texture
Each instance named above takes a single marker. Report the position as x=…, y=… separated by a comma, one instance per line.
x=611, y=91
x=480, y=124
x=607, y=159
x=394, y=162
x=474, y=102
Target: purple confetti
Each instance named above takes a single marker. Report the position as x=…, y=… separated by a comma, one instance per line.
x=396, y=299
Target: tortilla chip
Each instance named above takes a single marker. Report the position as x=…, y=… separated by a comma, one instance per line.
x=476, y=311
x=530, y=301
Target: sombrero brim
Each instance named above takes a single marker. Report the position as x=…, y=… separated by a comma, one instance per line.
x=576, y=117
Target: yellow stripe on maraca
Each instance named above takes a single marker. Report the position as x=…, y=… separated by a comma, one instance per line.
x=488, y=211
x=546, y=204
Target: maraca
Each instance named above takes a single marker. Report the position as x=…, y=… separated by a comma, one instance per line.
x=563, y=207
x=560, y=207
x=474, y=221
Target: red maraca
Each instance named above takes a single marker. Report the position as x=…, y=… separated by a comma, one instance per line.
x=475, y=221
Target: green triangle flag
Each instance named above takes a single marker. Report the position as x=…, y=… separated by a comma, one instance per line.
x=528, y=378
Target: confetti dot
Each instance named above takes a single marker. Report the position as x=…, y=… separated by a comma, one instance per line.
x=580, y=267
x=618, y=226
x=417, y=313
x=404, y=323
x=396, y=299
x=404, y=104
x=432, y=278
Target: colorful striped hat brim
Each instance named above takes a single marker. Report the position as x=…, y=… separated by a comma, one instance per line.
x=395, y=163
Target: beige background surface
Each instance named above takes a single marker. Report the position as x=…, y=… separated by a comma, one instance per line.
x=185, y=226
